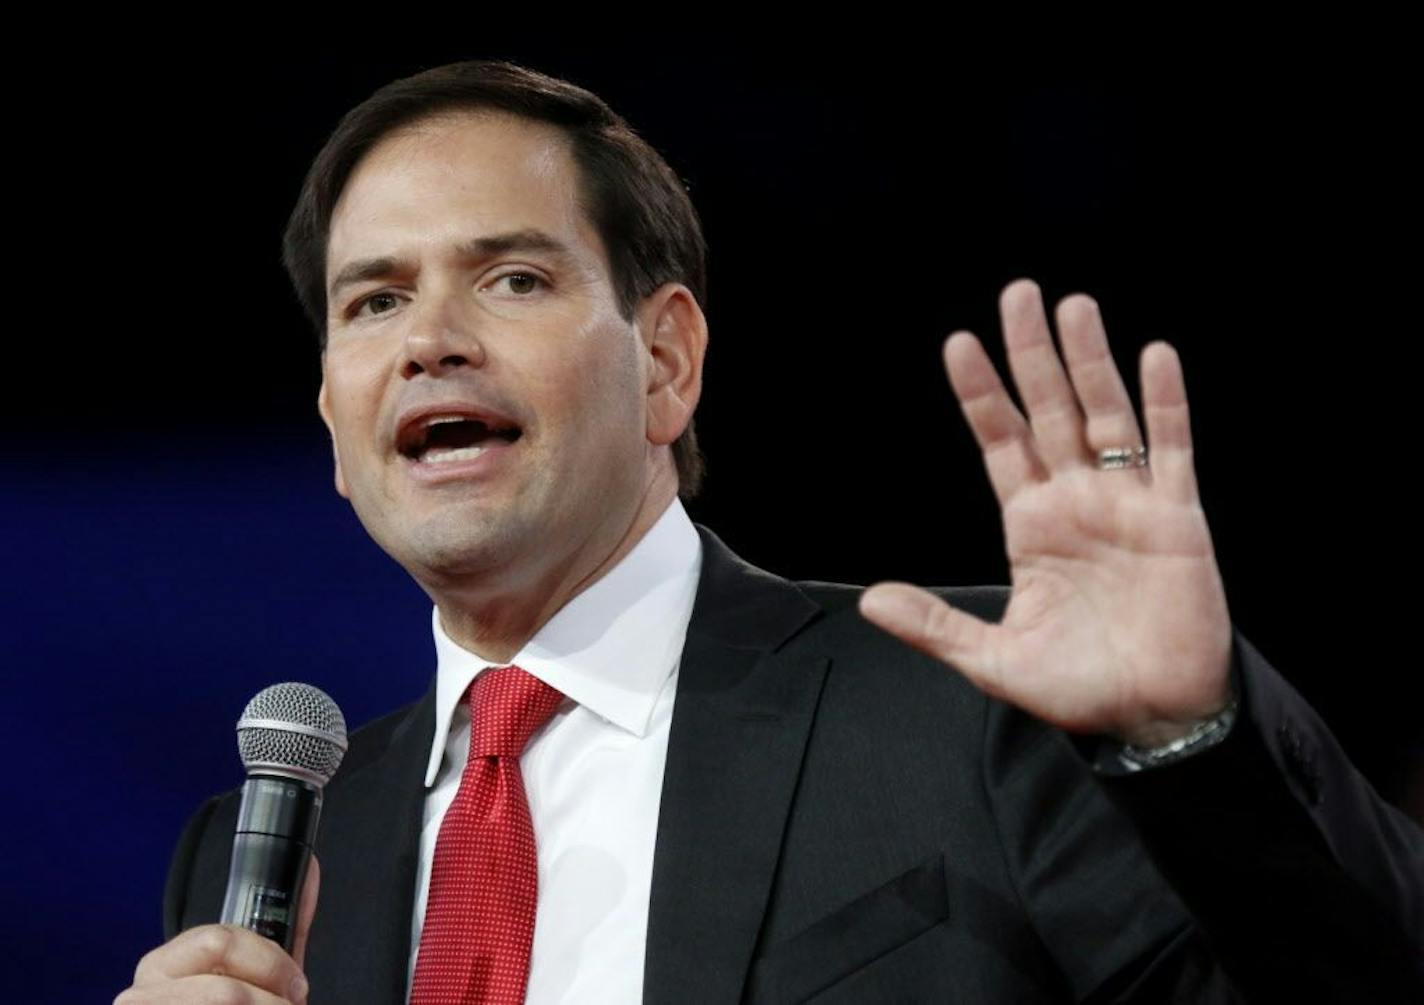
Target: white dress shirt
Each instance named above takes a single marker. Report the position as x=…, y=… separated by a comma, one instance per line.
x=594, y=774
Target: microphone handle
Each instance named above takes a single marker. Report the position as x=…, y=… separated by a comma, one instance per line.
x=276, y=828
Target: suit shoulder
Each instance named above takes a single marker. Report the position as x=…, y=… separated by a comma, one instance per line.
x=871, y=666
x=180, y=867
x=985, y=602
x=370, y=740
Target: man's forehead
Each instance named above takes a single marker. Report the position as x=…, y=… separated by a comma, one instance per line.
x=500, y=174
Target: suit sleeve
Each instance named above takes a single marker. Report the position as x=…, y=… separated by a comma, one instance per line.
x=1303, y=881
x=180, y=868
x=1115, y=929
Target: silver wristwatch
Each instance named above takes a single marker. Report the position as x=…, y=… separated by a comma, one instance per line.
x=1204, y=735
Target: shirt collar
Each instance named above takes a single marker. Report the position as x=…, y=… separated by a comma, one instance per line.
x=610, y=649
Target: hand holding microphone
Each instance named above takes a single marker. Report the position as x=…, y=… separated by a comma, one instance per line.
x=291, y=738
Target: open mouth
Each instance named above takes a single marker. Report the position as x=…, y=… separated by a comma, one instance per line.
x=449, y=439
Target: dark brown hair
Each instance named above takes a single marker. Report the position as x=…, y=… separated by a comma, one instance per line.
x=633, y=198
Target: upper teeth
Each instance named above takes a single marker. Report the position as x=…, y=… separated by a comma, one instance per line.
x=436, y=420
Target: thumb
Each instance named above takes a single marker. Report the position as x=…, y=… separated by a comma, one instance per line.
x=306, y=910
x=920, y=619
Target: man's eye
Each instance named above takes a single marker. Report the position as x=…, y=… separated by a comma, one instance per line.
x=521, y=283
x=378, y=303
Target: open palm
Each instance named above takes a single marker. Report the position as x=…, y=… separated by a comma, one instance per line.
x=1117, y=620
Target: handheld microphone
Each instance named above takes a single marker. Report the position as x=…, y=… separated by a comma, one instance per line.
x=291, y=738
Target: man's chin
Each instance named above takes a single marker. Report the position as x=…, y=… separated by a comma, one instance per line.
x=444, y=550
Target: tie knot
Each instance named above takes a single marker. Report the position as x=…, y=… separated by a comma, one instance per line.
x=507, y=705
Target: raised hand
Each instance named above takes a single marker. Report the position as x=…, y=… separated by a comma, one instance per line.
x=1117, y=621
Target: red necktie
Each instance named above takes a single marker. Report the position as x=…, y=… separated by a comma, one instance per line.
x=484, y=881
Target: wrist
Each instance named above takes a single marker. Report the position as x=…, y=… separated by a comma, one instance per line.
x=1162, y=732
x=1154, y=748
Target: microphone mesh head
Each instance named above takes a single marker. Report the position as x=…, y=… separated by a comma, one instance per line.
x=293, y=729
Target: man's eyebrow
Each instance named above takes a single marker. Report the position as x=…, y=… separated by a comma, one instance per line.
x=358, y=272
x=528, y=239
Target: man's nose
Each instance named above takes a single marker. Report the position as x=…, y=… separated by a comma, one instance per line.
x=441, y=338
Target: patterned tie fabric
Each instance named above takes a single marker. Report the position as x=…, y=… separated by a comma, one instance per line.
x=484, y=881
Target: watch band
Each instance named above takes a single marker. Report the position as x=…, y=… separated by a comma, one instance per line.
x=1204, y=735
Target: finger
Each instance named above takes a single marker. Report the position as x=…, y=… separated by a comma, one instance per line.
x=306, y=911
x=199, y=989
x=1107, y=409
x=1003, y=436
x=1043, y=386
x=224, y=950
x=1169, y=427
x=920, y=619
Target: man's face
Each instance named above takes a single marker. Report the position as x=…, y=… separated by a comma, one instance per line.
x=485, y=398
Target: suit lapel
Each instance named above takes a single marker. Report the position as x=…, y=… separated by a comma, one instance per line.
x=360, y=942
x=742, y=716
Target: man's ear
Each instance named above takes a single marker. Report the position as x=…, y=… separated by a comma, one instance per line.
x=323, y=406
x=674, y=332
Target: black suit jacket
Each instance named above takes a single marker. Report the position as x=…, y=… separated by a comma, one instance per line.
x=846, y=820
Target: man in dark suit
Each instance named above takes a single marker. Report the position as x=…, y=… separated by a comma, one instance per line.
x=839, y=815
